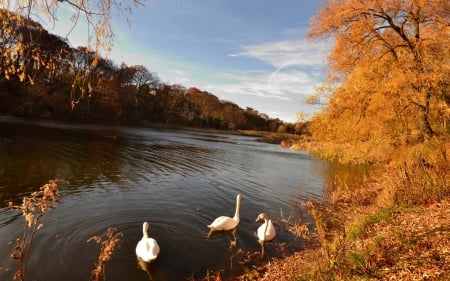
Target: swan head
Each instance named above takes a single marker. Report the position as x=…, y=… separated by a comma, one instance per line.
x=262, y=216
x=239, y=198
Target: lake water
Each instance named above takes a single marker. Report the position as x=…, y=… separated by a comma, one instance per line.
x=119, y=177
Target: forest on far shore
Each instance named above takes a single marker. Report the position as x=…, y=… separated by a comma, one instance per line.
x=49, y=79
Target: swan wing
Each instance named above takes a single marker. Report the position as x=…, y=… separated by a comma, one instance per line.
x=223, y=223
x=147, y=249
x=260, y=232
x=269, y=234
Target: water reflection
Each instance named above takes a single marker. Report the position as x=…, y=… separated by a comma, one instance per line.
x=345, y=176
x=263, y=248
x=146, y=267
x=228, y=234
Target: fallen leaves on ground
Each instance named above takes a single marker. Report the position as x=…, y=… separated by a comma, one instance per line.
x=413, y=244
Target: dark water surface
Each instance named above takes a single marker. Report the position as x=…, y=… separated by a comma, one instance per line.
x=119, y=176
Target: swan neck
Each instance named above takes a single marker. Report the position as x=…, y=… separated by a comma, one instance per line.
x=266, y=222
x=236, y=214
x=145, y=230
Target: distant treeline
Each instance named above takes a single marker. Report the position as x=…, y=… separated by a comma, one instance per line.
x=42, y=76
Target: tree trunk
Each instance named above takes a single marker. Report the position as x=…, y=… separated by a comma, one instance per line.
x=426, y=126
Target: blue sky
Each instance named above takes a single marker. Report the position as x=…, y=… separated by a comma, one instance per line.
x=250, y=52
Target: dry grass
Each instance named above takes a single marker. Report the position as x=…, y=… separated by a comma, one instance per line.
x=422, y=175
x=33, y=208
x=368, y=152
x=111, y=242
x=210, y=276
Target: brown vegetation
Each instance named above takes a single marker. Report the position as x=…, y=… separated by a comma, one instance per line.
x=412, y=244
x=111, y=242
x=18, y=44
x=33, y=208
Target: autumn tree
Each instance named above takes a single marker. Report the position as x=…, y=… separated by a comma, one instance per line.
x=16, y=38
x=144, y=79
x=42, y=54
x=389, y=69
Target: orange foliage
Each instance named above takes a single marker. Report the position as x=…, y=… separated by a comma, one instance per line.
x=392, y=61
x=16, y=41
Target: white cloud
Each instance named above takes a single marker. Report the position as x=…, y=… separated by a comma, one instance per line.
x=295, y=68
x=287, y=53
x=281, y=86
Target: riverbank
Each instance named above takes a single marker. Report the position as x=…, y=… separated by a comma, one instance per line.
x=394, y=244
x=395, y=226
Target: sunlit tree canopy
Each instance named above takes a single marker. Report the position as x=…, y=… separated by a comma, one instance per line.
x=19, y=23
x=389, y=70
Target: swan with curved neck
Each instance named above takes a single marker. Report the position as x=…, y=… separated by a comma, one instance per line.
x=266, y=231
x=147, y=248
x=227, y=223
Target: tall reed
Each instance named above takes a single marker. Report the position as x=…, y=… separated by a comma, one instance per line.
x=111, y=241
x=33, y=208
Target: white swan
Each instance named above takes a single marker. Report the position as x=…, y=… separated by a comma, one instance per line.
x=227, y=223
x=266, y=231
x=147, y=248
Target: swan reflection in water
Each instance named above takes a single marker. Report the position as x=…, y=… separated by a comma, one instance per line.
x=220, y=234
x=145, y=266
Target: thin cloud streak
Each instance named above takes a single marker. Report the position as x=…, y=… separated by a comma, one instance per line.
x=294, y=69
x=293, y=52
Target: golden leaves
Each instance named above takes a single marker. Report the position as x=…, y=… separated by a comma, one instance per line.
x=111, y=241
x=20, y=35
x=33, y=208
x=391, y=58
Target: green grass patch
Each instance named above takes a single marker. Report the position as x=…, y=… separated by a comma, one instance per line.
x=357, y=227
